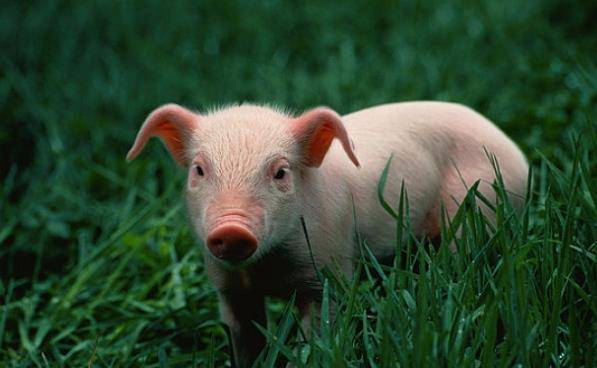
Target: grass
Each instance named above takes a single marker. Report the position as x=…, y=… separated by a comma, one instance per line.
x=99, y=268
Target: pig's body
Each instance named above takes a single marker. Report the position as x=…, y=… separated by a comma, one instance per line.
x=439, y=150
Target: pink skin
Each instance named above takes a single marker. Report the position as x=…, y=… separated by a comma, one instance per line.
x=233, y=225
x=234, y=219
x=232, y=240
x=321, y=126
x=254, y=171
x=171, y=123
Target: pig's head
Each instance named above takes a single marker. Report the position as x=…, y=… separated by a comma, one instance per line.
x=245, y=169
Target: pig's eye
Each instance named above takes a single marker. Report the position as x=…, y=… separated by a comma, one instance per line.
x=280, y=174
x=199, y=170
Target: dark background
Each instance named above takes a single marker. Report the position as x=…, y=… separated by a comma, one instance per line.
x=91, y=246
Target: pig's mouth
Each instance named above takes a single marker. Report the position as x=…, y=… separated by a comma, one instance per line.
x=231, y=237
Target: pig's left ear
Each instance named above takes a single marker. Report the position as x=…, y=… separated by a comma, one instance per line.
x=173, y=124
x=315, y=130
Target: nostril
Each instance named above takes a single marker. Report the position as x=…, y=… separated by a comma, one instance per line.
x=216, y=246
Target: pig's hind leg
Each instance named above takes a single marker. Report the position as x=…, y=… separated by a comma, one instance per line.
x=456, y=183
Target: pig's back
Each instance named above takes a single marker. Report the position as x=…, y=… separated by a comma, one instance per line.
x=427, y=141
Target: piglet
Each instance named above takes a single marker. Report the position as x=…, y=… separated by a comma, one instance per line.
x=253, y=171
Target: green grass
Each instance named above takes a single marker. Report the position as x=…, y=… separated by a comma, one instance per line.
x=98, y=266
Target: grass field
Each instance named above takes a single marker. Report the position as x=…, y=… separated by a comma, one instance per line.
x=99, y=268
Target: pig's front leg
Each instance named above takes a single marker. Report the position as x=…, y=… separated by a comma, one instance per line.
x=310, y=316
x=309, y=313
x=239, y=311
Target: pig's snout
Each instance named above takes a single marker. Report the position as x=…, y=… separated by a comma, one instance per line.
x=232, y=240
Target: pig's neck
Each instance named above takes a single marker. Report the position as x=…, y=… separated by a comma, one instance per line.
x=278, y=273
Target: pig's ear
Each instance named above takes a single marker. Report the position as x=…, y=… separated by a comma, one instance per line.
x=315, y=130
x=173, y=124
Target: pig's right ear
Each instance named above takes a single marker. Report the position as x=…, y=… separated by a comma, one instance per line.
x=173, y=124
